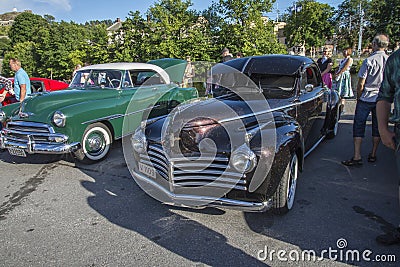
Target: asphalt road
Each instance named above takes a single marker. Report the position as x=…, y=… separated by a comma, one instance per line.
x=56, y=212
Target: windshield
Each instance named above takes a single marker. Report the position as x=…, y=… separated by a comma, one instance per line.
x=274, y=86
x=97, y=78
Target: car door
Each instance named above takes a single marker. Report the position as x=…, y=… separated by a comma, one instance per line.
x=310, y=107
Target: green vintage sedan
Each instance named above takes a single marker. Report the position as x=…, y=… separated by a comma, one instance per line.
x=104, y=102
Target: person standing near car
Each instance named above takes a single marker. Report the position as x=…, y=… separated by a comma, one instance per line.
x=325, y=65
x=370, y=77
x=390, y=93
x=226, y=55
x=22, y=84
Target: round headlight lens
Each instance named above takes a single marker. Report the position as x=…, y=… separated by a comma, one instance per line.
x=59, y=119
x=139, y=142
x=243, y=160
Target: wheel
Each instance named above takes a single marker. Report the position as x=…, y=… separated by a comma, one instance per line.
x=96, y=143
x=331, y=134
x=284, y=196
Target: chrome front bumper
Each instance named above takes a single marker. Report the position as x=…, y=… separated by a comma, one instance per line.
x=201, y=201
x=32, y=147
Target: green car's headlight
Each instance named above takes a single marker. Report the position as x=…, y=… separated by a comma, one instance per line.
x=59, y=119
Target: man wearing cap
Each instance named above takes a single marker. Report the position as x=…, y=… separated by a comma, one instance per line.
x=226, y=56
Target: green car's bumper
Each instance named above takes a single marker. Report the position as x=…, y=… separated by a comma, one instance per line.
x=34, y=138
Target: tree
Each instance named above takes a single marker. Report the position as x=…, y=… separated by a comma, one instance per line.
x=240, y=26
x=309, y=23
x=384, y=17
x=347, y=20
x=25, y=27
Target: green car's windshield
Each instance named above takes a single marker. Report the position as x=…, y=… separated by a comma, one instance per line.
x=124, y=79
x=97, y=78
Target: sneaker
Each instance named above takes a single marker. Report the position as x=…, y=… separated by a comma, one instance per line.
x=390, y=238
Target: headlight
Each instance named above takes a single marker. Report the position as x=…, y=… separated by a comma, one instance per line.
x=243, y=159
x=139, y=142
x=2, y=116
x=59, y=119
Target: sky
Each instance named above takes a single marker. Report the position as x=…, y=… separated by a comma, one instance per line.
x=81, y=11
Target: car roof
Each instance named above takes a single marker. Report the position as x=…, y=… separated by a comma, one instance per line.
x=129, y=66
x=118, y=66
x=277, y=64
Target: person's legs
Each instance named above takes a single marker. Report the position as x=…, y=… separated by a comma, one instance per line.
x=375, y=134
x=357, y=148
x=360, y=120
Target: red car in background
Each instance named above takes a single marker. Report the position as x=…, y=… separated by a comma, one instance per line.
x=37, y=85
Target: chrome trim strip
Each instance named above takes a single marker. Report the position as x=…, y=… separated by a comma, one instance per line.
x=189, y=174
x=26, y=124
x=199, y=159
x=270, y=110
x=212, y=184
x=199, y=166
x=39, y=134
x=209, y=179
x=117, y=116
x=314, y=146
x=206, y=201
x=256, y=114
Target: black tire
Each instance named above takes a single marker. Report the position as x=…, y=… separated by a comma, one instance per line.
x=96, y=143
x=283, y=198
x=333, y=132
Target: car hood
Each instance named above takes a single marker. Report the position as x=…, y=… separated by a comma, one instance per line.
x=47, y=103
x=227, y=108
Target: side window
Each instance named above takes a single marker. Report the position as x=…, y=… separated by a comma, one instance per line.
x=127, y=82
x=312, y=76
x=37, y=86
x=146, y=78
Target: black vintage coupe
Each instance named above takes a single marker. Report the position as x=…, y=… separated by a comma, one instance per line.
x=244, y=147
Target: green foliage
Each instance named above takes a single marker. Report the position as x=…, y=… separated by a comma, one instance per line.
x=310, y=24
x=347, y=20
x=383, y=17
x=25, y=27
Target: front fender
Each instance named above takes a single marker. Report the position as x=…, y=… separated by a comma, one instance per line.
x=80, y=116
x=289, y=140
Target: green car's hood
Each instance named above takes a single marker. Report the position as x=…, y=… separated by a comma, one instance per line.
x=44, y=104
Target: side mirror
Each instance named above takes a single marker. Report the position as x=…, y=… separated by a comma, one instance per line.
x=309, y=87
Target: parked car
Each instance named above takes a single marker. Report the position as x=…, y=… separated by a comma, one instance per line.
x=106, y=101
x=37, y=85
x=242, y=149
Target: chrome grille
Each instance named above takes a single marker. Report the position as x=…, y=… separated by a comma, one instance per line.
x=193, y=171
x=156, y=157
x=214, y=172
x=22, y=131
